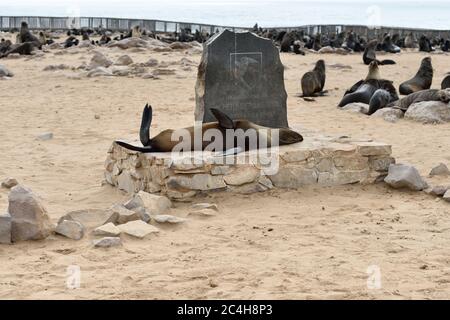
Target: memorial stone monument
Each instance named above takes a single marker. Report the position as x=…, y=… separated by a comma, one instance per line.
x=242, y=75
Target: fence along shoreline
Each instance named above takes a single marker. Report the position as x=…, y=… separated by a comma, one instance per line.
x=8, y=23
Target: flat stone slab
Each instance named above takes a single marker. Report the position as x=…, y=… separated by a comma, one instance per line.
x=318, y=160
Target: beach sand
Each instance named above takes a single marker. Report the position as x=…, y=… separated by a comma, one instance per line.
x=311, y=243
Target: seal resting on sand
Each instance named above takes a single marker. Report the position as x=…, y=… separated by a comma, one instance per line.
x=363, y=90
x=314, y=81
x=421, y=81
x=163, y=142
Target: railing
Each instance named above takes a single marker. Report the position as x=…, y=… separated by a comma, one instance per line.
x=115, y=24
x=160, y=26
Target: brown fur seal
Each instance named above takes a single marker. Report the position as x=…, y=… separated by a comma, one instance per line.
x=363, y=90
x=370, y=54
x=314, y=81
x=26, y=36
x=424, y=95
x=446, y=82
x=421, y=81
x=23, y=49
x=163, y=141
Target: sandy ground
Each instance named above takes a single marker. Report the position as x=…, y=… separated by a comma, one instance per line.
x=311, y=243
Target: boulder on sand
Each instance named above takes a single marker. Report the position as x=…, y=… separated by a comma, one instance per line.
x=28, y=216
x=154, y=204
x=5, y=228
x=70, y=229
x=405, y=176
x=429, y=112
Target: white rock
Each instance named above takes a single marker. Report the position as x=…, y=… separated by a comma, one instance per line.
x=99, y=60
x=200, y=206
x=45, y=136
x=138, y=229
x=121, y=71
x=70, y=229
x=356, y=107
x=5, y=228
x=4, y=72
x=389, y=114
x=8, y=183
x=440, y=170
x=85, y=44
x=129, y=43
x=123, y=215
x=107, y=230
x=447, y=196
x=165, y=218
x=124, y=60
x=438, y=191
x=99, y=72
x=29, y=217
x=326, y=50
x=242, y=175
x=429, y=112
x=202, y=182
x=151, y=63
x=107, y=242
x=203, y=213
x=90, y=219
x=405, y=176
x=154, y=204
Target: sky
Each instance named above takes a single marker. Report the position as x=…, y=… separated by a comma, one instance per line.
x=244, y=13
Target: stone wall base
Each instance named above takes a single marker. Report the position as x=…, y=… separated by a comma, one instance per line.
x=318, y=160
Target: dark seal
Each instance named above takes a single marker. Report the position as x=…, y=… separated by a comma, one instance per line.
x=421, y=81
x=313, y=81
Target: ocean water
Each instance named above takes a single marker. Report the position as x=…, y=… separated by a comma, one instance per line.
x=432, y=14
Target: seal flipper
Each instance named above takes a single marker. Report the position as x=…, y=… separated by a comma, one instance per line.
x=144, y=133
x=224, y=120
x=134, y=148
x=387, y=62
x=288, y=136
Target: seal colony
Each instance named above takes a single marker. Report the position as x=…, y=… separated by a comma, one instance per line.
x=67, y=172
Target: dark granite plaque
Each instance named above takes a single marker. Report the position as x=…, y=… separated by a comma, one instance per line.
x=242, y=75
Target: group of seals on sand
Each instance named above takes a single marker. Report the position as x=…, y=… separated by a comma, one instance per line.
x=379, y=93
x=163, y=141
x=349, y=40
x=373, y=90
x=26, y=43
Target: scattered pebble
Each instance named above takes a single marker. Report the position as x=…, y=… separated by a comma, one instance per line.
x=107, y=242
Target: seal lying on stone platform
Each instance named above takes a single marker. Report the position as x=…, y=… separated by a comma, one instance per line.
x=225, y=134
